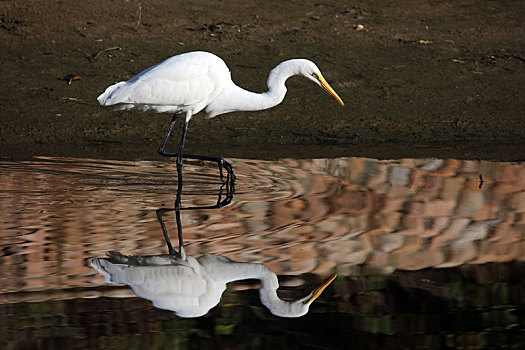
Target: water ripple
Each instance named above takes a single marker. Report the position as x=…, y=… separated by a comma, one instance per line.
x=296, y=216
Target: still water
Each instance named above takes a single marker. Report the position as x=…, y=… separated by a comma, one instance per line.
x=427, y=255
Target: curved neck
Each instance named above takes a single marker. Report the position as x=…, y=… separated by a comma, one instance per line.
x=225, y=271
x=236, y=98
x=283, y=71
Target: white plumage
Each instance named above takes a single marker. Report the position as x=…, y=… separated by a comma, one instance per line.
x=189, y=82
x=191, y=288
x=185, y=82
x=193, y=81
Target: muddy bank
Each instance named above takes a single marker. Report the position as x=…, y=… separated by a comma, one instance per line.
x=435, y=79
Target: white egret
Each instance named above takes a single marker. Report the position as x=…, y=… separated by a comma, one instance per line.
x=190, y=82
x=191, y=288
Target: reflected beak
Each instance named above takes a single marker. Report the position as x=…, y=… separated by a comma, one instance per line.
x=331, y=91
x=321, y=288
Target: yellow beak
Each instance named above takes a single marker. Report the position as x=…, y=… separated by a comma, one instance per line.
x=321, y=288
x=331, y=91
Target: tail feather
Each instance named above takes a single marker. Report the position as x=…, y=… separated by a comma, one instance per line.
x=108, y=98
x=110, y=272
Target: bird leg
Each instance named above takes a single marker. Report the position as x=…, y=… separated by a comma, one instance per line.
x=177, y=209
x=182, y=253
x=223, y=164
x=162, y=152
x=179, y=155
x=171, y=251
x=230, y=177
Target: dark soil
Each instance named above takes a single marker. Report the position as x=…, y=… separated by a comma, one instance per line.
x=423, y=78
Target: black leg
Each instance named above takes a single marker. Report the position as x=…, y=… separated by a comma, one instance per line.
x=180, y=155
x=181, y=253
x=165, y=139
x=164, y=232
x=179, y=224
x=230, y=175
x=177, y=212
x=220, y=203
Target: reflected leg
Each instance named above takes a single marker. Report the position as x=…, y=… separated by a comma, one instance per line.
x=179, y=221
x=171, y=251
x=159, y=212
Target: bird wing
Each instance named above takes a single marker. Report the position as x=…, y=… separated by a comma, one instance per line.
x=174, y=287
x=180, y=81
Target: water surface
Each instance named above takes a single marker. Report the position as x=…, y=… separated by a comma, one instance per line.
x=427, y=255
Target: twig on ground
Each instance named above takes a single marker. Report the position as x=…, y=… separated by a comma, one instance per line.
x=93, y=56
x=139, y=15
x=73, y=99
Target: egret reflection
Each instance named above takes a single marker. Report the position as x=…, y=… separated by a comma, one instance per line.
x=191, y=287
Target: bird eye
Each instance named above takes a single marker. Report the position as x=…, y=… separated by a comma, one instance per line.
x=315, y=75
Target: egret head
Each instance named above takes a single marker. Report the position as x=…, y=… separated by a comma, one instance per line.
x=310, y=71
x=300, y=307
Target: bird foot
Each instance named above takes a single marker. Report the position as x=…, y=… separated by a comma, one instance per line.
x=228, y=178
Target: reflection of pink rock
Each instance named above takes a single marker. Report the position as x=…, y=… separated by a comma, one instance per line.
x=399, y=176
x=402, y=257
x=391, y=242
x=449, y=235
x=470, y=201
x=302, y=206
x=460, y=253
x=517, y=202
x=353, y=252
